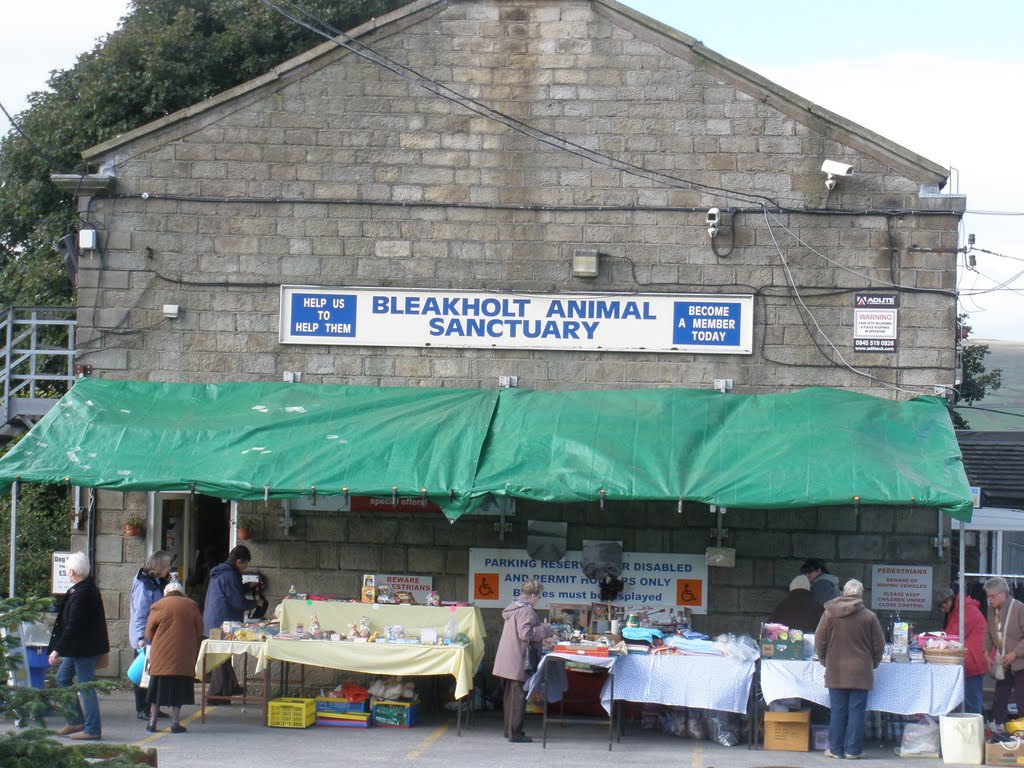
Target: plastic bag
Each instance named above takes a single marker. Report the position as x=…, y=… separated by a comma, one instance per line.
x=696, y=725
x=723, y=727
x=673, y=721
x=741, y=648
x=921, y=739
x=135, y=671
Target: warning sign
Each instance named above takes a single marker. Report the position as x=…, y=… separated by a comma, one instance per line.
x=874, y=322
x=901, y=587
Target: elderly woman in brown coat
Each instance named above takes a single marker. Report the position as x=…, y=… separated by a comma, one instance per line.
x=174, y=631
x=522, y=627
x=850, y=644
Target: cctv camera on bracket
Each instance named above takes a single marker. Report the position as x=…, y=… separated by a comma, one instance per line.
x=834, y=168
x=713, y=220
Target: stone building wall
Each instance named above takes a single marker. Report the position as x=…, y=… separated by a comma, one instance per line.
x=328, y=552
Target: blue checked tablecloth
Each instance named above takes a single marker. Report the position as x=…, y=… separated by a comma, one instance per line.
x=706, y=682
x=903, y=689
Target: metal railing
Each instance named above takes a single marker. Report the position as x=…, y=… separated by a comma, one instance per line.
x=37, y=363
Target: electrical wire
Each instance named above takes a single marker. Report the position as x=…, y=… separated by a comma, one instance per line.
x=1000, y=255
x=989, y=410
x=796, y=294
x=417, y=78
x=812, y=249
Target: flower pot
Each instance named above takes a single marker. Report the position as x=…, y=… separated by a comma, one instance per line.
x=133, y=531
x=244, y=534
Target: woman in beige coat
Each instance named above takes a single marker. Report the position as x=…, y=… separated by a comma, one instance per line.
x=522, y=626
x=1004, y=647
x=174, y=630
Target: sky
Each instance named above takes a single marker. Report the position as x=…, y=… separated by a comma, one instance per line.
x=939, y=77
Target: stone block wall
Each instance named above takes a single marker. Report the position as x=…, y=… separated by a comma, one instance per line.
x=341, y=173
x=328, y=552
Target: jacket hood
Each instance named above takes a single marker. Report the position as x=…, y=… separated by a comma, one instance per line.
x=221, y=568
x=511, y=608
x=828, y=577
x=149, y=579
x=844, y=605
x=967, y=603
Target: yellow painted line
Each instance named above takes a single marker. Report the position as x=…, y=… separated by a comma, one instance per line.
x=436, y=734
x=166, y=731
x=698, y=755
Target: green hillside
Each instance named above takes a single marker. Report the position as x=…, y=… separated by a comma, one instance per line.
x=1008, y=355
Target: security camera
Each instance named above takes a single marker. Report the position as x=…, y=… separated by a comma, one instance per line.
x=714, y=217
x=835, y=168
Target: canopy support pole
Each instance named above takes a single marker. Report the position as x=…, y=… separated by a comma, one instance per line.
x=15, y=486
x=233, y=527
x=960, y=603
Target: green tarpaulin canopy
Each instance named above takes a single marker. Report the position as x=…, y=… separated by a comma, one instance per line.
x=816, y=447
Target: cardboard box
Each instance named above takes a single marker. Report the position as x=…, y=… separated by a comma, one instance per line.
x=788, y=731
x=1005, y=753
x=600, y=651
x=819, y=737
x=783, y=650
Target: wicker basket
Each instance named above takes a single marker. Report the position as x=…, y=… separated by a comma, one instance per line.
x=945, y=656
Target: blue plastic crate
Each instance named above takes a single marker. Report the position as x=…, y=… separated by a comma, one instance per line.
x=325, y=704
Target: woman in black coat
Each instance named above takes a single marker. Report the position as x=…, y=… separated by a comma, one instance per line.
x=79, y=637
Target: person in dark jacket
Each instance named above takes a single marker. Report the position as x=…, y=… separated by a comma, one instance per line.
x=522, y=626
x=824, y=585
x=850, y=644
x=175, y=630
x=147, y=588
x=79, y=637
x=798, y=609
x=226, y=601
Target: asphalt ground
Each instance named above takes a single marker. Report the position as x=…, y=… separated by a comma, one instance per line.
x=234, y=736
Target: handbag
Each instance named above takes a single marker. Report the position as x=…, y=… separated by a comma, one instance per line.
x=998, y=669
x=531, y=658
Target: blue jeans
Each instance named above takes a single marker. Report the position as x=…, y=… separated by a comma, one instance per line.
x=846, y=723
x=87, y=706
x=973, y=688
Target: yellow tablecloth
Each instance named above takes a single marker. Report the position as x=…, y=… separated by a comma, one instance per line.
x=377, y=658
x=217, y=651
x=336, y=617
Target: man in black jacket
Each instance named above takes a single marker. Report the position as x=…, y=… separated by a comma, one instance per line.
x=80, y=637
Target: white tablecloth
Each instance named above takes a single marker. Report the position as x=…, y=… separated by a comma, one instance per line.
x=904, y=689
x=706, y=682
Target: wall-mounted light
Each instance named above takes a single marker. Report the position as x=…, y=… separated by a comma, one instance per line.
x=171, y=311
x=585, y=262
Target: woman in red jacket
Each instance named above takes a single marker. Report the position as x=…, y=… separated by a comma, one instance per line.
x=973, y=639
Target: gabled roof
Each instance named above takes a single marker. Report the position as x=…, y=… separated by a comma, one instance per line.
x=995, y=461
x=672, y=41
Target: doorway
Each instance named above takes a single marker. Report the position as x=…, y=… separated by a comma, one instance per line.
x=195, y=530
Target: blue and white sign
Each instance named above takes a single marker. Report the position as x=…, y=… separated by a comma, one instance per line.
x=388, y=317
